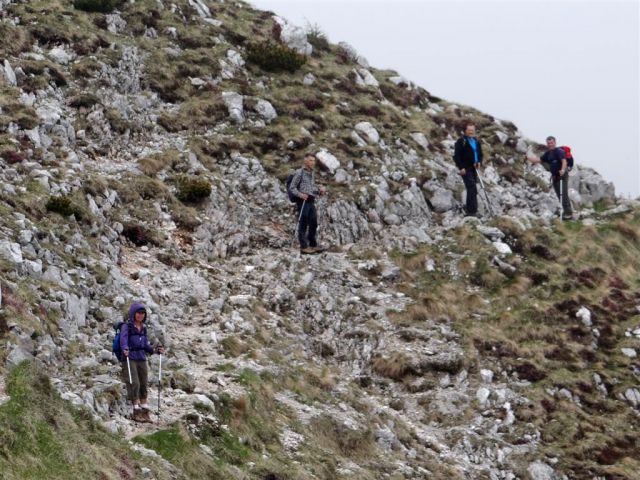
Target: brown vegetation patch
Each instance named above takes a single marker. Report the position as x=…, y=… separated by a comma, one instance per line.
x=542, y=251
x=528, y=371
x=495, y=348
x=397, y=366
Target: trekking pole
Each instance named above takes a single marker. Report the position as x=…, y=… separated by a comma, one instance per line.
x=298, y=224
x=159, y=386
x=561, y=198
x=129, y=368
x=486, y=196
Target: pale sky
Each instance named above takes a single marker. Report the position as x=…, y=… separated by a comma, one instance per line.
x=569, y=68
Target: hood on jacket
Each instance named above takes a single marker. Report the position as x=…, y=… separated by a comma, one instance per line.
x=134, y=308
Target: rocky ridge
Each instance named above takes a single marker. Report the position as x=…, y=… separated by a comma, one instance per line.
x=237, y=307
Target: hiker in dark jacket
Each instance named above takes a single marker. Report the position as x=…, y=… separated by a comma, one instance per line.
x=555, y=161
x=304, y=187
x=135, y=347
x=468, y=157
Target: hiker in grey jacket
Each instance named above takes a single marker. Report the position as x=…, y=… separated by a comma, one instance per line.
x=304, y=187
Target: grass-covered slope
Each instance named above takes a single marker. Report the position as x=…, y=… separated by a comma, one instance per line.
x=45, y=437
x=522, y=324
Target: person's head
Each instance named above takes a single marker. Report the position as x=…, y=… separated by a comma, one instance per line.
x=140, y=315
x=551, y=142
x=137, y=312
x=309, y=161
x=470, y=130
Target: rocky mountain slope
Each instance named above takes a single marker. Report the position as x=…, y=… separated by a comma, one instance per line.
x=144, y=147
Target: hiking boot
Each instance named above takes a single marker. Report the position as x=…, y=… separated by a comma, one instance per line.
x=567, y=216
x=144, y=406
x=137, y=415
x=319, y=248
x=307, y=250
x=141, y=416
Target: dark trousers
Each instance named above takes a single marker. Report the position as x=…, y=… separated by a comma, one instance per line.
x=308, y=224
x=469, y=179
x=137, y=388
x=566, y=204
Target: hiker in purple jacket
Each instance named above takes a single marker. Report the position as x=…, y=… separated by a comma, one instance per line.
x=135, y=347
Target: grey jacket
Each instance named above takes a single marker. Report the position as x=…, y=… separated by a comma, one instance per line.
x=303, y=182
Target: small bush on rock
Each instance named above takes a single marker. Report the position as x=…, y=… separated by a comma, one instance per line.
x=62, y=205
x=273, y=57
x=318, y=39
x=193, y=189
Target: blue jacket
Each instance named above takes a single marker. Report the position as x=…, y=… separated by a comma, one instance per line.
x=464, y=156
x=554, y=159
x=134, y=340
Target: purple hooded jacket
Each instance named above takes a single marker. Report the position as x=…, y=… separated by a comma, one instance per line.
x=134, y=340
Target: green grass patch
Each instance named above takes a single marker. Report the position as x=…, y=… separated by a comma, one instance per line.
x=45, y=437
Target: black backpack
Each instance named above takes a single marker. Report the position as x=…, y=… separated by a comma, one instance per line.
x=292, y=198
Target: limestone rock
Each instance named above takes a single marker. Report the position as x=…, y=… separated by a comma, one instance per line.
x=9, y=74
x=370, y=133
x=294, y=37
x=327, y=160
x=234, y=103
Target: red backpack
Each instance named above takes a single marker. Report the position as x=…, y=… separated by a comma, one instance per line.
x=568, y=156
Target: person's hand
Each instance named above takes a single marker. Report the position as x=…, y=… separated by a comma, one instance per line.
x=304, y=196
x=125, y=352
x=322, y=190
x=561, y=173
x=478, y=165
x=463, y=171
x=160, y=349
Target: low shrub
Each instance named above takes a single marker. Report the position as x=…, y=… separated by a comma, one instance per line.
x=313, y=103
x=318, y=39
x=274, y=57
x=185, y=217
x=63, y=205
x=101, y=6
x=83, y=100
x=13, y=157
x=137, y=234
x=192, y=189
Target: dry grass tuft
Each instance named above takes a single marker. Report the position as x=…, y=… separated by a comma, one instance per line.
x=397, y=366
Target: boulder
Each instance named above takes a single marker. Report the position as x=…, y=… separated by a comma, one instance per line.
x=442, y=200
x=541, y=471
x=420, y=139
x=11, y=251
x=327, y=160
x=294, y=37
x=353, y=55
x=9, y=74
x=234, y=104
x=371, y=134
x=266, y=110
x=60, y=55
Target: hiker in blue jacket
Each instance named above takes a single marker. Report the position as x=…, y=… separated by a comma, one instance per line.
x=468, y=158
x=556, y=163
x=135, y=347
